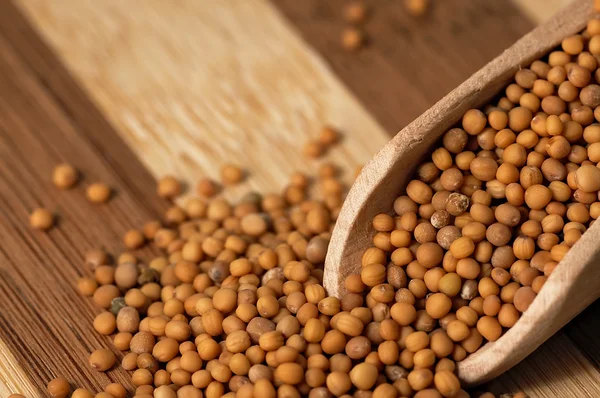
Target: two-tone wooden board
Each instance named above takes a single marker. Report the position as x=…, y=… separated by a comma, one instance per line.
x=131, y=90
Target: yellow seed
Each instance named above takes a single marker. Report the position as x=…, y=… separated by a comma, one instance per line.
x=64, y=176
x=41, y=219
x=102, y=359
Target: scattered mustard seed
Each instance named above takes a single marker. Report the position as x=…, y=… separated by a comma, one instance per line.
x=95, y=258
x=133, y=239
x=356, y=12
x=352, y=39
x=59, y=387
x=313, y=149
x=206, y=188
x=98, y=192
x=328, y=136
x=102, y=359
x=64, y=176
x=231, y=174
x=416, y=8
x=168, y=187
x=41, y=219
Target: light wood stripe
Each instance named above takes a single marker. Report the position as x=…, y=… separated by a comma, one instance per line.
x=191, y=87
x=13, y=378
x=540, y=10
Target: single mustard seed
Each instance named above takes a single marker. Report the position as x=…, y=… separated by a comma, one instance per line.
x=98, y=192
x=356, y=12
x=231, y=174
x=206, y=187
x=416, y=8
x=329, y=136
x=168, y=187
x=82, y=393
x=116, y=390
x=41, y=219
x=352, y=40
x=102, y=359
x=313, y=149
x=59, y=387
x=64, y=176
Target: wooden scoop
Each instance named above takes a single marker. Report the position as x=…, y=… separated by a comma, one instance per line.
x=573, y=285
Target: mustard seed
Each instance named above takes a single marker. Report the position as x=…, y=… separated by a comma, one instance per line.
x=116, y=390
x=206, y=187
x=86, y=286
x=352, y=40
x=59, y=387
x=78, y=393
x=168, y=187
x=41, y=219
x=98, y=192
x=231, y=174
x=64, y=176
x=328, y=135
x=416, y=8
x=102, y=359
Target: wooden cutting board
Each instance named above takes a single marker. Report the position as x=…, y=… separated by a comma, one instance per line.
x=131, y=90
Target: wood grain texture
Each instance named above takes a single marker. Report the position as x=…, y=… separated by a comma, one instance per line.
x=99, y=37
x=13, y=377
x=410, y=63
x=45, y=326
x=191, y=87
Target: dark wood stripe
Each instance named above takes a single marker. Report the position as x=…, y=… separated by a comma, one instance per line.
x=45, y=119
x=410, y=63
